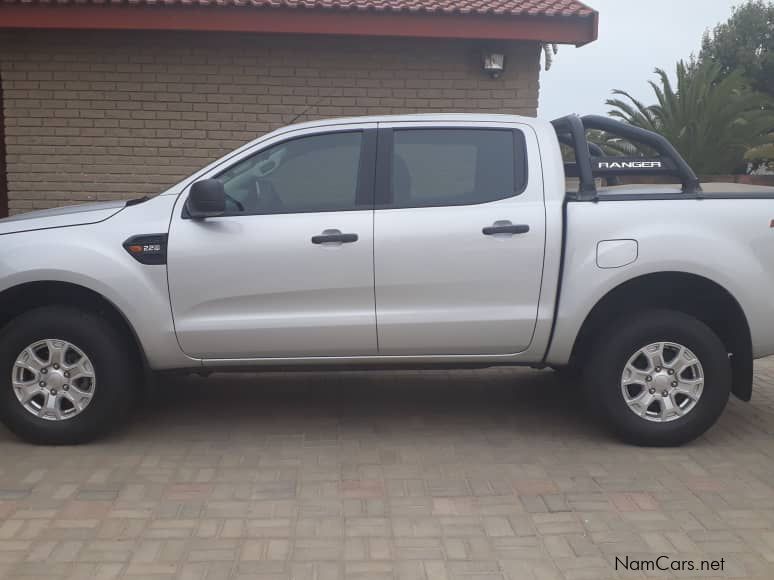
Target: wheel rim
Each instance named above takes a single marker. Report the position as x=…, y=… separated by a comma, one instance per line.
x=662, y=382
x=53, y=379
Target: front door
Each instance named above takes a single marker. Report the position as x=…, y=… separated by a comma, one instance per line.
x=288, y=270
x=459, y=234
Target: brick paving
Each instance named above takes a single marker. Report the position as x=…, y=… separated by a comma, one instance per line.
x=478, y=475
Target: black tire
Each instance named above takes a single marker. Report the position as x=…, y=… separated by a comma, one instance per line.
x=109, y=351
x=610, y=355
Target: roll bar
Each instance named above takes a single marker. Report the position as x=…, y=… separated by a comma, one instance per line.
x=596, y=151
x=571, y=130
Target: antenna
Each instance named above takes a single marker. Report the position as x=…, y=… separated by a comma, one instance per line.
x=306, y=108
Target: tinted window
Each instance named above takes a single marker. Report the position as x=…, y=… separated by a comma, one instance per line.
x=433, y=167
x=308, y=174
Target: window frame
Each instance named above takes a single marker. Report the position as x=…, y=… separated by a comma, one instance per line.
x=383, y=194
x=364, y=188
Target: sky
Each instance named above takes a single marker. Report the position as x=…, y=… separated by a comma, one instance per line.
x=635, y=36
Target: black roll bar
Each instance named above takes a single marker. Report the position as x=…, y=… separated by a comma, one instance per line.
x=595, y=150
x=571, y=130
x=571, y=125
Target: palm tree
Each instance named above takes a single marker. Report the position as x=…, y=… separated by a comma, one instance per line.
x=711, y=120
x=614, y=146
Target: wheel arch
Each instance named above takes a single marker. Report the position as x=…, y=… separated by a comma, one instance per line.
x=26, y=296
x=692, y=294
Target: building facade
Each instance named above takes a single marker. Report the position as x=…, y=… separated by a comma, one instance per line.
x=98, y=106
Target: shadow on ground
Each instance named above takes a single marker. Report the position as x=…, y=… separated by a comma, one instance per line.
x=516, y=401
x=491, y=405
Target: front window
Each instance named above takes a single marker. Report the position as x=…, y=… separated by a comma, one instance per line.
x=308, y=174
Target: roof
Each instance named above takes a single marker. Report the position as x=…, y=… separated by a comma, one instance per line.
x=493, y=7
x=412, y=118
x=561, y=21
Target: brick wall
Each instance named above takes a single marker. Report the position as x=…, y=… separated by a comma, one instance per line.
x=3, y=175
x=102, y=116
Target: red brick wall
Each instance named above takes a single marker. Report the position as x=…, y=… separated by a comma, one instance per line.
x=109, y=115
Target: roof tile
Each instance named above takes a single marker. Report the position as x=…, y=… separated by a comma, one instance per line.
x=482, y=7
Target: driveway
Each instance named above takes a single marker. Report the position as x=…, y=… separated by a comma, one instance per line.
x=392, y=475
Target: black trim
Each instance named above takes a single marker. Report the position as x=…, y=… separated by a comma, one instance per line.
x=383, y=194
x=383, y=198
x=137, y=201
x=559, y=282
x=154, y=251
x=366, y=172
x=520, y=163
x=206, y=368
x=505, y=229
x=335, y=238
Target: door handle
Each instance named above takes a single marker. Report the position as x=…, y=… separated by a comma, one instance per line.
x=334, y=237
x=505, y=227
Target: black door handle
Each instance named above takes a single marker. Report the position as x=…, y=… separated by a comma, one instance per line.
x=505, y=228
x=334, y=237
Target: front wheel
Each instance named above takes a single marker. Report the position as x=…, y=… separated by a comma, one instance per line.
x=66, y=376
x=659, y=378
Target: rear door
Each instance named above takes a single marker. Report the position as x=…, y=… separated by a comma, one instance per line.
x=459, y=236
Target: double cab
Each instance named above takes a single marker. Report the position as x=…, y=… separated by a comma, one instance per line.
x=447, y=240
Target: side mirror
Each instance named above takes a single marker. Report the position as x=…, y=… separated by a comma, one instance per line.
x=207, y=198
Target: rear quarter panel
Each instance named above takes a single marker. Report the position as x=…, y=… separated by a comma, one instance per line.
x=729, y=241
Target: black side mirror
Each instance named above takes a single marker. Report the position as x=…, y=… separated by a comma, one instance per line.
x=207, y=198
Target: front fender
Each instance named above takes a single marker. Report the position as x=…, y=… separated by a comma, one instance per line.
x=92, y=256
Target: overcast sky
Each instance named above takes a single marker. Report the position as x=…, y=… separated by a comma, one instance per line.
x=634, y=38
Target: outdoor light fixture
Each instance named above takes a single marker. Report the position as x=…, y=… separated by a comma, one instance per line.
x=494, y=64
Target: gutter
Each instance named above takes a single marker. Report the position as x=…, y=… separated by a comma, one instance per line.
x=578, y=30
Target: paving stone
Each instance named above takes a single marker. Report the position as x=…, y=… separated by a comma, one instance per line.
x=395, y=475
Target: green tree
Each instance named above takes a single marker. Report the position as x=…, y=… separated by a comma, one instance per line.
x=746, y=43
x=615, y=146
x=761, y=157
x=712, y=120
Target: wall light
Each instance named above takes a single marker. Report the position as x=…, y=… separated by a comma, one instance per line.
x=494, y=64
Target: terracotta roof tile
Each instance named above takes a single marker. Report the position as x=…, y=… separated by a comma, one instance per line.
x=572, y=8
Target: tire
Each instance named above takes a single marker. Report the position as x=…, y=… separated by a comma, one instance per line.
x=104, y=399
x=670, y=420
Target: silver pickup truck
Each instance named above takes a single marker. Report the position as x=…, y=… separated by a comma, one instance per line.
x=389, y=242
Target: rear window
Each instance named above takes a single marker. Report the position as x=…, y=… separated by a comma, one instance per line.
x=432, y=167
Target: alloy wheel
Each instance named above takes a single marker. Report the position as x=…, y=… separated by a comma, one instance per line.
x=53, y=379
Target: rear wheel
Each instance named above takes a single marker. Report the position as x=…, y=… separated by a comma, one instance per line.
x=659, y=378
x=66, y=376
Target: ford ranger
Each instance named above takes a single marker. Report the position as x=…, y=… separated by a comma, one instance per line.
x=392, y=242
